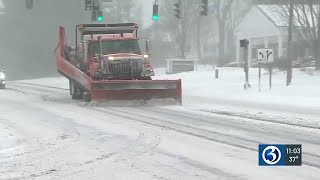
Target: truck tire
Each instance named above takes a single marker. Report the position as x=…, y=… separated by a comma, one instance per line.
x=2, y=86
x=87, y=97
x=75, y=91
x=146, y=78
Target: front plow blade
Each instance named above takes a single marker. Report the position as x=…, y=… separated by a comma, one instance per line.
x=137, y=90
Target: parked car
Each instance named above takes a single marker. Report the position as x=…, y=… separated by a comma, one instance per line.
x=2, y=79
x=307, y=65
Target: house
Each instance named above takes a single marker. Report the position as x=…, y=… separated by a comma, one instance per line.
x=266, y=26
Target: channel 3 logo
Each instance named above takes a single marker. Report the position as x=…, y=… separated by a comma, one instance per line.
x=271, y=155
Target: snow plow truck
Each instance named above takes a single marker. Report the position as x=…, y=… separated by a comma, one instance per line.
x=106, y=63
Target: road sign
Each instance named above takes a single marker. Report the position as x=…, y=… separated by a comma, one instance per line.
x=265, y=55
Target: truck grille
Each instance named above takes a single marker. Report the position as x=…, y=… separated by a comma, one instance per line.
x=125, y=67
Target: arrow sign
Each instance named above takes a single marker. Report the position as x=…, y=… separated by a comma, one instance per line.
x=265, y=55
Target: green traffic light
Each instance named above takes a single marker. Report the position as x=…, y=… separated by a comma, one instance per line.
x=100, y=18
x=155, y=18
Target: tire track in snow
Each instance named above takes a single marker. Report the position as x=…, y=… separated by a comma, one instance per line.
x=39, y=85
x=19, y=165
x=203, y=118
x=257, y=118
x=231, y=114
x=226, y=139
x=209, y=119
x=124, y=114
x=145, y=143
x=227, y=114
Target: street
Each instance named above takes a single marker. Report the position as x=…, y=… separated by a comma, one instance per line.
x=46, y=135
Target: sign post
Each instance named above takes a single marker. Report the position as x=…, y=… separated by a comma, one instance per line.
x=244, y=44
x=259, y=76
x=265, y=56
x=270, y=78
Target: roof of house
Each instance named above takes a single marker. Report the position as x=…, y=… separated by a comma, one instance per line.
x=279, y=14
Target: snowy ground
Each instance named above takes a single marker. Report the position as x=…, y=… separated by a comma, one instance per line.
x=214, y=135
x=301, y=99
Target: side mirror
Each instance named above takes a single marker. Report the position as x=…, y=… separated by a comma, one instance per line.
x=3, y=71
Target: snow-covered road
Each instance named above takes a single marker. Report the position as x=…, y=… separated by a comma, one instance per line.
x=46, y=135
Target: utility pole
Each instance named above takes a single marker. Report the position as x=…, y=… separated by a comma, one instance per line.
x=204, y=7
x=179, y=14
x=318, y=45
x=290, y=50
x=183, y=31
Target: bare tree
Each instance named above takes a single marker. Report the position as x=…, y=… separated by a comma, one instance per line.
x=237, y=12
x=223, y=13
x=306, y=25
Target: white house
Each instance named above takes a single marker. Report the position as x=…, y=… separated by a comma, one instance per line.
x=265, y=26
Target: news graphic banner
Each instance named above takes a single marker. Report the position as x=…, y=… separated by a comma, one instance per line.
x=280, y=155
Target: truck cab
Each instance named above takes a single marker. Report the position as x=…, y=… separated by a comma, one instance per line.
x=114, y=54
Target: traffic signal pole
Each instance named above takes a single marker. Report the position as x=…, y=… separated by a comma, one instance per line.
x=29, y=4
x=290, y=50
x=179, y=14
x=94, y=7
x=205, y=7
x=183, y=40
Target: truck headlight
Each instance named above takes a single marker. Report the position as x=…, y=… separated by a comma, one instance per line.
x=146, y=56
x=111, y=58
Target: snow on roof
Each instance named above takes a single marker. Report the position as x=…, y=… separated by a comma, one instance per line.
x=279, y=14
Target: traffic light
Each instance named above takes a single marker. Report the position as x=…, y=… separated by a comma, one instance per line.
x=97, y=15
x=205, y=8
x=155, y=14
x=178, y=9
x=100, y=16
x=244, y=43
x=94, y=15
x=29, y=4
x=88, y=5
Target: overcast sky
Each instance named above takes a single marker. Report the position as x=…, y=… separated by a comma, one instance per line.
x=147, y=7
x=1, y=4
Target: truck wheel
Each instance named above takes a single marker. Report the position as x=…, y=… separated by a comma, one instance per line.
x=146, y=78
x=87, y=97
x=2, y=86
x=74, y=90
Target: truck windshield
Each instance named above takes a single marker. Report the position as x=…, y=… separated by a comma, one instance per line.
x=116, y=46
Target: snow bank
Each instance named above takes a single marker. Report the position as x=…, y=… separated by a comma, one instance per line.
x=201, y=87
